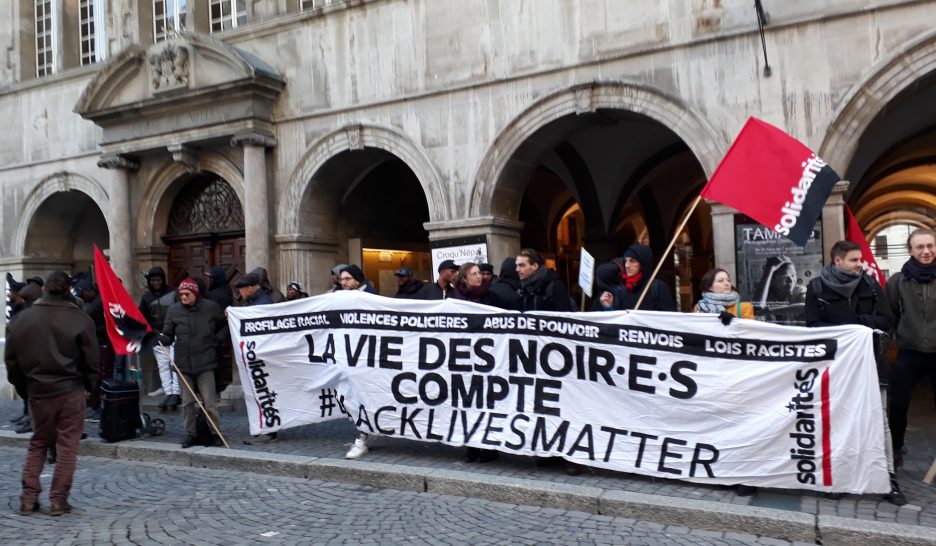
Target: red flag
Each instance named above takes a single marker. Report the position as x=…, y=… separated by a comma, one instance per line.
x=773, y=178
x=853, y=233
x=126, y=326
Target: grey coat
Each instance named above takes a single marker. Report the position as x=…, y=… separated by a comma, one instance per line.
x=914, y=307
x=198, y=330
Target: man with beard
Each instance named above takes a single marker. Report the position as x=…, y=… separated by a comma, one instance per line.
x=541, y=289
x=844, y=294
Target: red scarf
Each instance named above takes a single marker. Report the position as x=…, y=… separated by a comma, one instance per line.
x=631, y=282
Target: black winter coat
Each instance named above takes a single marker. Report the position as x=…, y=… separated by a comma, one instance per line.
x=867, y=305
x=197, y=330
x=549, y=294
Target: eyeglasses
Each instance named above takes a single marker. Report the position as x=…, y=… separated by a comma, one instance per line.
x=343, y=279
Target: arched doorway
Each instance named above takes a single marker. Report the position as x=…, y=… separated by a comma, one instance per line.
x=63, y=231
x=374, y=204
x=205, y=229
x=605, y=180
x=893, y=172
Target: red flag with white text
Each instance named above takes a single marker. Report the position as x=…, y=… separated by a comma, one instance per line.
x=853, y=233
x=126, y=326
x=773, y=178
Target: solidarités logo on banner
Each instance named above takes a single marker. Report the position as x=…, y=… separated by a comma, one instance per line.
x=773, y=178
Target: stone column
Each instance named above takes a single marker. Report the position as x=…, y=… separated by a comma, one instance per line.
x=120, y=225
x=723, y=234
x=256, y=200
x=833, y=218
x=308, y=260
x=503, y=235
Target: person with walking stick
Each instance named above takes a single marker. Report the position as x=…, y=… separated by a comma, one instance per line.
x=198, y=328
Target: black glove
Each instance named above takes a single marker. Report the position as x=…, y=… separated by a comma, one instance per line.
x=725, y=317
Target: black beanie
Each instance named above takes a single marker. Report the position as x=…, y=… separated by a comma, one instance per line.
x=355, y=272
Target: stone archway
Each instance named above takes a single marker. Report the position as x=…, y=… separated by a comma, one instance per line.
x=62, y=233
x=355, y=138
x=491, y=195
x=867, y=98
x=57, y=183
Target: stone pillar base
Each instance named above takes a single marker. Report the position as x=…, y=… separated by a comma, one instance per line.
x=308, y=260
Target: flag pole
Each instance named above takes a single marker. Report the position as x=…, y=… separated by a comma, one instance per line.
x=669, y=248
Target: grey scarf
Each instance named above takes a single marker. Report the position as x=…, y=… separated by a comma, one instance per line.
x=841, y=282
x=531, y=283
x=715, y=302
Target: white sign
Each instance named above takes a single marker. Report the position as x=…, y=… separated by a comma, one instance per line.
x=662, y=394
x=474, y=253
x=586, y=272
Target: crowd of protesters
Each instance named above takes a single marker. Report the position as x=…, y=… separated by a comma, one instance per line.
x=191, y=333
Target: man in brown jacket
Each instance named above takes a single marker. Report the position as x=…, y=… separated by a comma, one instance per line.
x=52, y=356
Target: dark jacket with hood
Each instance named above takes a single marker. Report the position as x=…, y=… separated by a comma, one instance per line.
x=275, y=295
x=547, y=294
x=197, y=331
x=505, y=286
x=155, y=303
x=659, y=298
x=51, y=349
x=220, y=292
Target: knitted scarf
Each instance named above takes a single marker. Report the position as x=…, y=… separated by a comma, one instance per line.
x=716, y=302
x=841, y=282
x=919, y=272
x=631, y=281
x=531, y=283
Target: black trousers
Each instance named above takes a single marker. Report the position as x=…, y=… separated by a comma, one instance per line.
x=911, y=366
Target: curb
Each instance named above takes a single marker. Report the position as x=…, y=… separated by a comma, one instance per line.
x=716, y=516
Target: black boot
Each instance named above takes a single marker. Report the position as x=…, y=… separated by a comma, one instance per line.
x=165, y=402
x=896, y=496
x=174, y=401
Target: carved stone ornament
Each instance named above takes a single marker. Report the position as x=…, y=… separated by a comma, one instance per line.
x=170, y=68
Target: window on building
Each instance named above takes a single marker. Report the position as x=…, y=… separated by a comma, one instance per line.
x=312, y=4
x=880, y=246
x=45, y=37
x=168, y=17
x=91, y=29
x=225, y=14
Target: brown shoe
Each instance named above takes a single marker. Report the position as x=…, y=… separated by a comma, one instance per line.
x=59, y=509
x=26, y=508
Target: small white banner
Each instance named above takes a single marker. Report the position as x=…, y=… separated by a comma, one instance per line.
x=586, y=272
x=663, y=394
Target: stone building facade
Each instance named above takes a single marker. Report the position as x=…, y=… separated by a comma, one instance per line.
x=297, y=134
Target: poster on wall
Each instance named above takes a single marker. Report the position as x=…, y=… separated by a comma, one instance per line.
x=773, y=271
x=460, y=250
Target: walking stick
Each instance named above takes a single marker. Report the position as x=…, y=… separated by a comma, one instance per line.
x=198, y=401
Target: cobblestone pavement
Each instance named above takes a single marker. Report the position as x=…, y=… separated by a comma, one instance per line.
x=120, y=502
x=332, y=439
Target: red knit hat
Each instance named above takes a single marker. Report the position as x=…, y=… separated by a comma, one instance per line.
x=190, y=285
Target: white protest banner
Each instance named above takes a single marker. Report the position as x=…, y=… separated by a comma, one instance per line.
x=663, y=394
x=586, y=272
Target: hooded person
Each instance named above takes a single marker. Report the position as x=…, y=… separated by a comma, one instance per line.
x=15, y=301
x=638, y=266
x=506, y=285
x=275, y=295
x=336, y=277
x=607, y=278
x=154, y=305
x=218, y=289
x=294, y=291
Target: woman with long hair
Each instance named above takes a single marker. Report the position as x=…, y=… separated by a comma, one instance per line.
x=718, y=296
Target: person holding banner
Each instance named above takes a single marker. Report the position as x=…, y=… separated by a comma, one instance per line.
x=844, y=294
x=719, y=296
x=638, y=263
x=912, y=296
x=197, y=327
